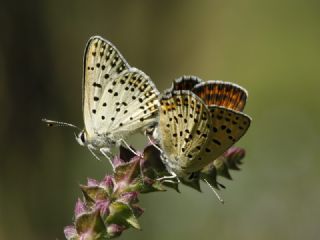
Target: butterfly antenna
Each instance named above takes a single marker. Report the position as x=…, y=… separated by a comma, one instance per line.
x=51, y=123
x=215, y=192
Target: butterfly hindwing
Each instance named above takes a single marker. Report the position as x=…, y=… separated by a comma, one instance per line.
x=113, y=92
x=128, y=104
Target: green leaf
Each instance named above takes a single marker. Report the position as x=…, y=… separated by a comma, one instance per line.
x=91, y=226
x=222, y=168
x=122, y=214
x=126, y=173
x=92, y=194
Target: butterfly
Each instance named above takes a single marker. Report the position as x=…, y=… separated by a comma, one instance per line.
x=199, y=121
x=118, y=100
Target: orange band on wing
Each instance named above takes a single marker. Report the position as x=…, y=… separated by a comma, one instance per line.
x=222, y=94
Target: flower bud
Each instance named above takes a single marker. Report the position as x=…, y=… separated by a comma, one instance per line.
x=71, y=233
x=92, y=182
x=128, y=198
x=80, y=208
x=103, y=207
x=108, y=184
x=233, y=157
x=115, y=230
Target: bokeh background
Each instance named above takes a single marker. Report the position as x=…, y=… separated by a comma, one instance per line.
x=269, y=47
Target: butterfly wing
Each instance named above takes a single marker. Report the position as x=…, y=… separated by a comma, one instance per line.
x=184, y=126
x=185, y=83
x=112, y=92
x=225, y=101
x=222, y=94
x=102, y=64
x=128, y=104
x=227, y=127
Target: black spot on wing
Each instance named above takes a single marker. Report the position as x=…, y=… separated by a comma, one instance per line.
x=216, y=142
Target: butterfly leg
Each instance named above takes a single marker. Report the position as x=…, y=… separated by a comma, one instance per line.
x=169, y=178
x=128, y=146
x=91, y=149
x=154, y=144
x=173, y=174
x=106, y=152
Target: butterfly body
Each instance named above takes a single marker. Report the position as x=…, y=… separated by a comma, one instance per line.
x=96, y=141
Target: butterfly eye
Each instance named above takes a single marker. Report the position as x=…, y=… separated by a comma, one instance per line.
x=82, y=137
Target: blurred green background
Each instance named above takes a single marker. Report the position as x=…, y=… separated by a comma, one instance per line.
x=269, y=47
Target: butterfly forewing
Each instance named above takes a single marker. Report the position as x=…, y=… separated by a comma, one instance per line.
x=184, y=127
x=102, y=64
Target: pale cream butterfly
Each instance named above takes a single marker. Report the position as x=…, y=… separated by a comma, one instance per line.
x=118, y=100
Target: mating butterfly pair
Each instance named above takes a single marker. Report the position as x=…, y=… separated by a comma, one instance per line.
x=194, y=121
